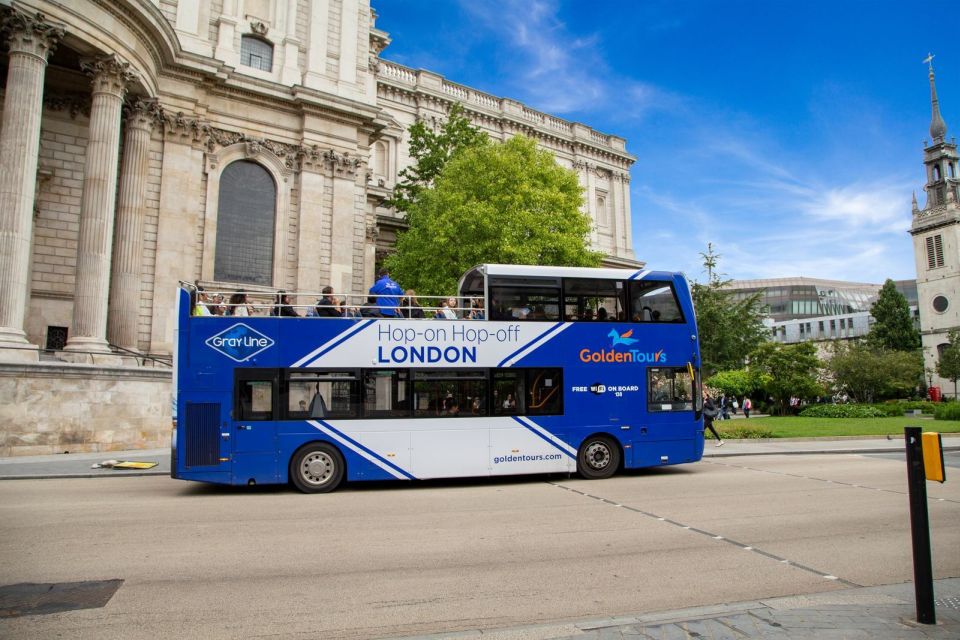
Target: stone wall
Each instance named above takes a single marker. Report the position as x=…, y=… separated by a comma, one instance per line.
x=55, y=408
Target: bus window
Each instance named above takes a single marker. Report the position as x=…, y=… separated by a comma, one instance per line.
x=599, y=300
x=544, y=392
x=255, y=400
x=386, y=393
x=507, y=392
x=450, y=393
x=517, y=298
x=321, y=394
x=669, y=389
x=652, y=301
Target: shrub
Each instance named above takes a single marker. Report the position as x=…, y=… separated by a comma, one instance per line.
x=891, y=410
x=843, y=411
x=947, y=411
x=742, y=430
x=908, y=405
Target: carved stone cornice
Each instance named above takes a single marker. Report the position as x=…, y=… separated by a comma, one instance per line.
x=29, y=33
x=295, y=157
x=110, y=74
x=74, y=103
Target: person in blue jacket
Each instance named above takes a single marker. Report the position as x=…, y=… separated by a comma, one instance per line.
x=388, y=294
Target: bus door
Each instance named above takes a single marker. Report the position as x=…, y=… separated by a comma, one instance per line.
x=254, y=432
x=671, y=430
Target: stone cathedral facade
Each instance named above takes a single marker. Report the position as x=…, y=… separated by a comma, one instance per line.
x=238, y=143
x=131, y=128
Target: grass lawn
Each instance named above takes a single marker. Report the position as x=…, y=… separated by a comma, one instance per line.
x=797, y=427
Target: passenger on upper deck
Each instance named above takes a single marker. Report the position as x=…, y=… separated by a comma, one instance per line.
x=370, y=309
x=410, y=308
x=282, y=307
x=238, y=305
x=388, y=294
x=476, y=310
x=328, y=306
x=445, y=312
x=201, y=308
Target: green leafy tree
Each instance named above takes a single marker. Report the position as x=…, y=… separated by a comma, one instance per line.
x=868, y=374
x=893, y=328
x=507, y=203
x=737, y=382
x=729, y=328
x=949, y=365
x=790, y=370
x=431, y=149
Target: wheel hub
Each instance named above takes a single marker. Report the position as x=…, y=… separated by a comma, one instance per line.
x=317, y=468
x=598, y=455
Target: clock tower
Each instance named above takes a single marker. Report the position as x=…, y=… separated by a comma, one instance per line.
x=936, y=243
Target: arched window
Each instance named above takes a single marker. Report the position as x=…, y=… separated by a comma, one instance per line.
x=380, y=168
x=951, y=171
x=936, y=172
x=245, y=225
x=256, y=53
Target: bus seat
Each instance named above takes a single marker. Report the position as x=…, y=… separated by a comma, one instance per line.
x=318, y=408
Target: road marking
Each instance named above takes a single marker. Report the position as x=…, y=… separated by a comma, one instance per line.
x=824, y=480
x=715, y=536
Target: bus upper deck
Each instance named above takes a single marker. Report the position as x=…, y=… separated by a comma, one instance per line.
x=542, y=369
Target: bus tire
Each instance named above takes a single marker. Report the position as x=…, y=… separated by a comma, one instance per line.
x=317, y=468
x=599, y=457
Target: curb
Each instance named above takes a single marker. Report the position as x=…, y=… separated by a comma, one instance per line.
x=810, y=452
x=64, y=476
x=714, y=454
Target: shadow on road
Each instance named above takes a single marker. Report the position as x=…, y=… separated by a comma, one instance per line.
x=203, y=489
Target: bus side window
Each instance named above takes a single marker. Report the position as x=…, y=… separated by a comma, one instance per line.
x=544, y=392
x=255, y=400
x=654, y=301
x=669, y=389
x=507, y=392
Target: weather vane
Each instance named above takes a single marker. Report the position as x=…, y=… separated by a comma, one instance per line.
x=929, y=60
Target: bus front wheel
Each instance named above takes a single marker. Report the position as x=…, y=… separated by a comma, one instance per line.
x=317, y=468
x=599, y=457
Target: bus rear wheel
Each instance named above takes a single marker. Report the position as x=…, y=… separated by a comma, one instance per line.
x=599, y=457
x=317, y=468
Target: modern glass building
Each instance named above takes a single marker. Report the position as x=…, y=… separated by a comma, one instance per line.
x=802, y=309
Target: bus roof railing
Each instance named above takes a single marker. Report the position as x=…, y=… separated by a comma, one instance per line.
x=260, y=302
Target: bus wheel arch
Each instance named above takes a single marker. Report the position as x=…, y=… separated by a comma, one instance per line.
x=317, y=467
x=599, y=456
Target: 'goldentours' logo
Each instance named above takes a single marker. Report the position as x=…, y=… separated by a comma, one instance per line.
x=625, y=355
x=240, y=342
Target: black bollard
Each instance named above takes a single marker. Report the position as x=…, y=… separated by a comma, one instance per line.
x=919, y=527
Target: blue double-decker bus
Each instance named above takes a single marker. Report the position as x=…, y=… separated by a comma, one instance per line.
x=536, y=370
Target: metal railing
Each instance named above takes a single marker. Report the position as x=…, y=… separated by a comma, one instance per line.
x=243, y=303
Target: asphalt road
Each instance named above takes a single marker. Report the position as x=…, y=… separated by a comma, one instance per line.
x=396, y=559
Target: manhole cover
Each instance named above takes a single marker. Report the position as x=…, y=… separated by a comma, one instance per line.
x=32, y=599
x=948, y=603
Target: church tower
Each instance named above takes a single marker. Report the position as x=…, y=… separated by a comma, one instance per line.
x=936, y=242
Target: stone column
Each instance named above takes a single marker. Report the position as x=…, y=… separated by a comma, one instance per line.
x=124, y=310
x=97, y=208
x=31, y=40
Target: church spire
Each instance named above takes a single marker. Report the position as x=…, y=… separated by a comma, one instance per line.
x=938, y=128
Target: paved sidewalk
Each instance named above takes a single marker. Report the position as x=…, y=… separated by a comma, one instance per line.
x=78, y=465
x=864, y=613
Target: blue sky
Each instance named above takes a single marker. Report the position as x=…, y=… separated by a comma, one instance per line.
x=787, y=134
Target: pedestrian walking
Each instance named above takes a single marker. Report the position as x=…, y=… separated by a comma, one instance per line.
x=710, y=412
x=747, y=405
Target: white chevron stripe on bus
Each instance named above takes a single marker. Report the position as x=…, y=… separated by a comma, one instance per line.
x=535, y=344
x=560, y=444
x=357, y=450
